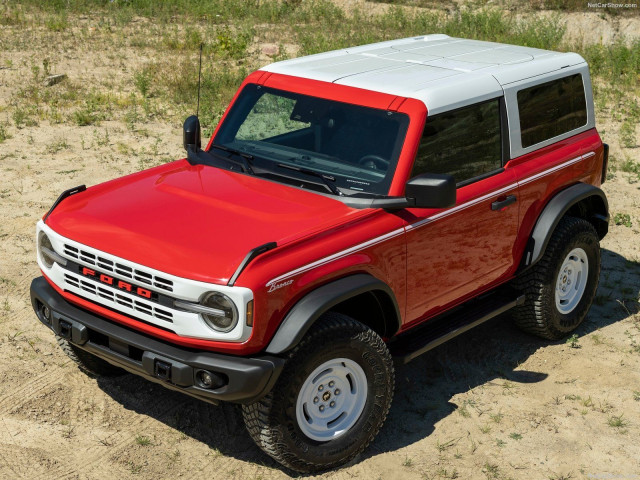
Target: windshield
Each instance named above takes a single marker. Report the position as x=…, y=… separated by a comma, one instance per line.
x=354, y=148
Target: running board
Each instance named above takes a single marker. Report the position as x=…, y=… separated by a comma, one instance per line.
x=418, y=340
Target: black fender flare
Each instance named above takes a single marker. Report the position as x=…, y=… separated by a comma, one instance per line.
x=557, y=207
x=310, y=307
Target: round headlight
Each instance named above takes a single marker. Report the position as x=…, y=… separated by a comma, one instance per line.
x=226, y=317
x=45, y=249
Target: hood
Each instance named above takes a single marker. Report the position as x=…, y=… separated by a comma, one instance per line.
x=196, y=222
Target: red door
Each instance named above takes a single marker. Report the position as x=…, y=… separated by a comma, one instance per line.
x=456, y=252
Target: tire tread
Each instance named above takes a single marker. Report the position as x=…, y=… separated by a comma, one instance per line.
x=257, y=415
x=533, y=316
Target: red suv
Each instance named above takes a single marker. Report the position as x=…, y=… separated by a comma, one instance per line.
x=351, y=209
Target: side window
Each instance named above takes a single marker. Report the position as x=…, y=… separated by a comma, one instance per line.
x=551, y=109
x=465, y=143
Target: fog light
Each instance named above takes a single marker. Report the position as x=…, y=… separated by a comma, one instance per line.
x=46, y=313
x=206, y=379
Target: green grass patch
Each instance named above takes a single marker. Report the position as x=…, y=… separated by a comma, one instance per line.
x=496, y=417
x=483, y=24
x=623, y=219
x=165, y=11
x=229, y=31
x=143, y=441
x=617, y=62
x=56, y=22
x=573, y=341
x=436, y=4
x=176, y=82
x=232, y=44
x=628, y=134
x=629, y=166
x=4, y=134
x=617, y=421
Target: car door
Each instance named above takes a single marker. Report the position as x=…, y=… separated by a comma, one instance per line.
x=455, y=253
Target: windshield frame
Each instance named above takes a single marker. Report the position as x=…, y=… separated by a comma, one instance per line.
x=250, y=93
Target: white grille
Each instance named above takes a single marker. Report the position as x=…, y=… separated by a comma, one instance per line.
x=111, y=266
x=109, y=298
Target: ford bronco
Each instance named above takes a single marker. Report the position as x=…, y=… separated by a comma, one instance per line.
x=351, y=209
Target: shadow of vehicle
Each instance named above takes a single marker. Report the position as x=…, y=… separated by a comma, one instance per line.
x=492, y=351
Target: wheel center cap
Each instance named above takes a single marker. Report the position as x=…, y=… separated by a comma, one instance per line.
x=326, y=396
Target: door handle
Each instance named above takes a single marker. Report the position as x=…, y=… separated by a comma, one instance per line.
x=500, y=204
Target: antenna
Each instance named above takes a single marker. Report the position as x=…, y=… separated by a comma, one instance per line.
x=199, y=75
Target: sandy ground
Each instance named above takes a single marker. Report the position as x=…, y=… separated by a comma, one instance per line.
x=494, y=403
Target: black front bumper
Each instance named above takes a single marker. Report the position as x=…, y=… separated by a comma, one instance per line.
x=239, y=379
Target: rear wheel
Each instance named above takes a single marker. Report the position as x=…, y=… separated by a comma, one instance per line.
x=88, y=363
x=330, y=400
x=560, y=288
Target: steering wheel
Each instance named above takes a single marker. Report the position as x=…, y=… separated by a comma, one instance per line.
x=374, y=162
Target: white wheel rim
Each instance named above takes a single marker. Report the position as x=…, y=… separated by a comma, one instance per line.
x=331, y=399
x=572, y=280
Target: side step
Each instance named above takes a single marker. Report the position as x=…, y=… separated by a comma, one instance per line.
x=420, y=339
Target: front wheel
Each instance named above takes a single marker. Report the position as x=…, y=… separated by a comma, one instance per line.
x=330, y=400
x=560, y=288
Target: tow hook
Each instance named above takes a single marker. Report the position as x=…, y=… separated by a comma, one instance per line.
x=163, y=370
x=65, y=330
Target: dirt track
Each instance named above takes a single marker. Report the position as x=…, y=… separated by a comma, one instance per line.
x=494, y=403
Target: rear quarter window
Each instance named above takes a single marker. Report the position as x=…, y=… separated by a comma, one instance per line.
x=551, y=109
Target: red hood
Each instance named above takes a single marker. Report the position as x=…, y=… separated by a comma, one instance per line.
x=196, y=222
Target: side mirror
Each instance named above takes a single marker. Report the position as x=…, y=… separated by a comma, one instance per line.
x=431, y=190
x=191, y=133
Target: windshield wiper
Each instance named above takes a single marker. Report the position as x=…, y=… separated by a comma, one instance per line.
x=245, y=161
x=328, y=180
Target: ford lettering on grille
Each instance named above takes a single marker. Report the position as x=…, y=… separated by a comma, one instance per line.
x=118, y=284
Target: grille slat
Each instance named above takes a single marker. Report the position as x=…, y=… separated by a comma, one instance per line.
x=87, y=257
x=162, y=283
x=105, y=264
x=164, y=315
x=143, y=307
x=113, y=266
x=112, y=299
x=87, y=286
x=104, y=293
x=71, y=280
x=140, y=279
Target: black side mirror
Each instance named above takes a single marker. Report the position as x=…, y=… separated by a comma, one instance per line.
x=191, y=133
x=431, y=190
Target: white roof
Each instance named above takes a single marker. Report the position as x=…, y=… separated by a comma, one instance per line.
x=444, y=72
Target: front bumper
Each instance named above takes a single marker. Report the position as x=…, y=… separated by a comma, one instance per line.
x=239, y=379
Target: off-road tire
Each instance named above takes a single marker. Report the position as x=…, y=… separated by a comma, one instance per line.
x=539, y=314
x=88, y=363
x=272, y=422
